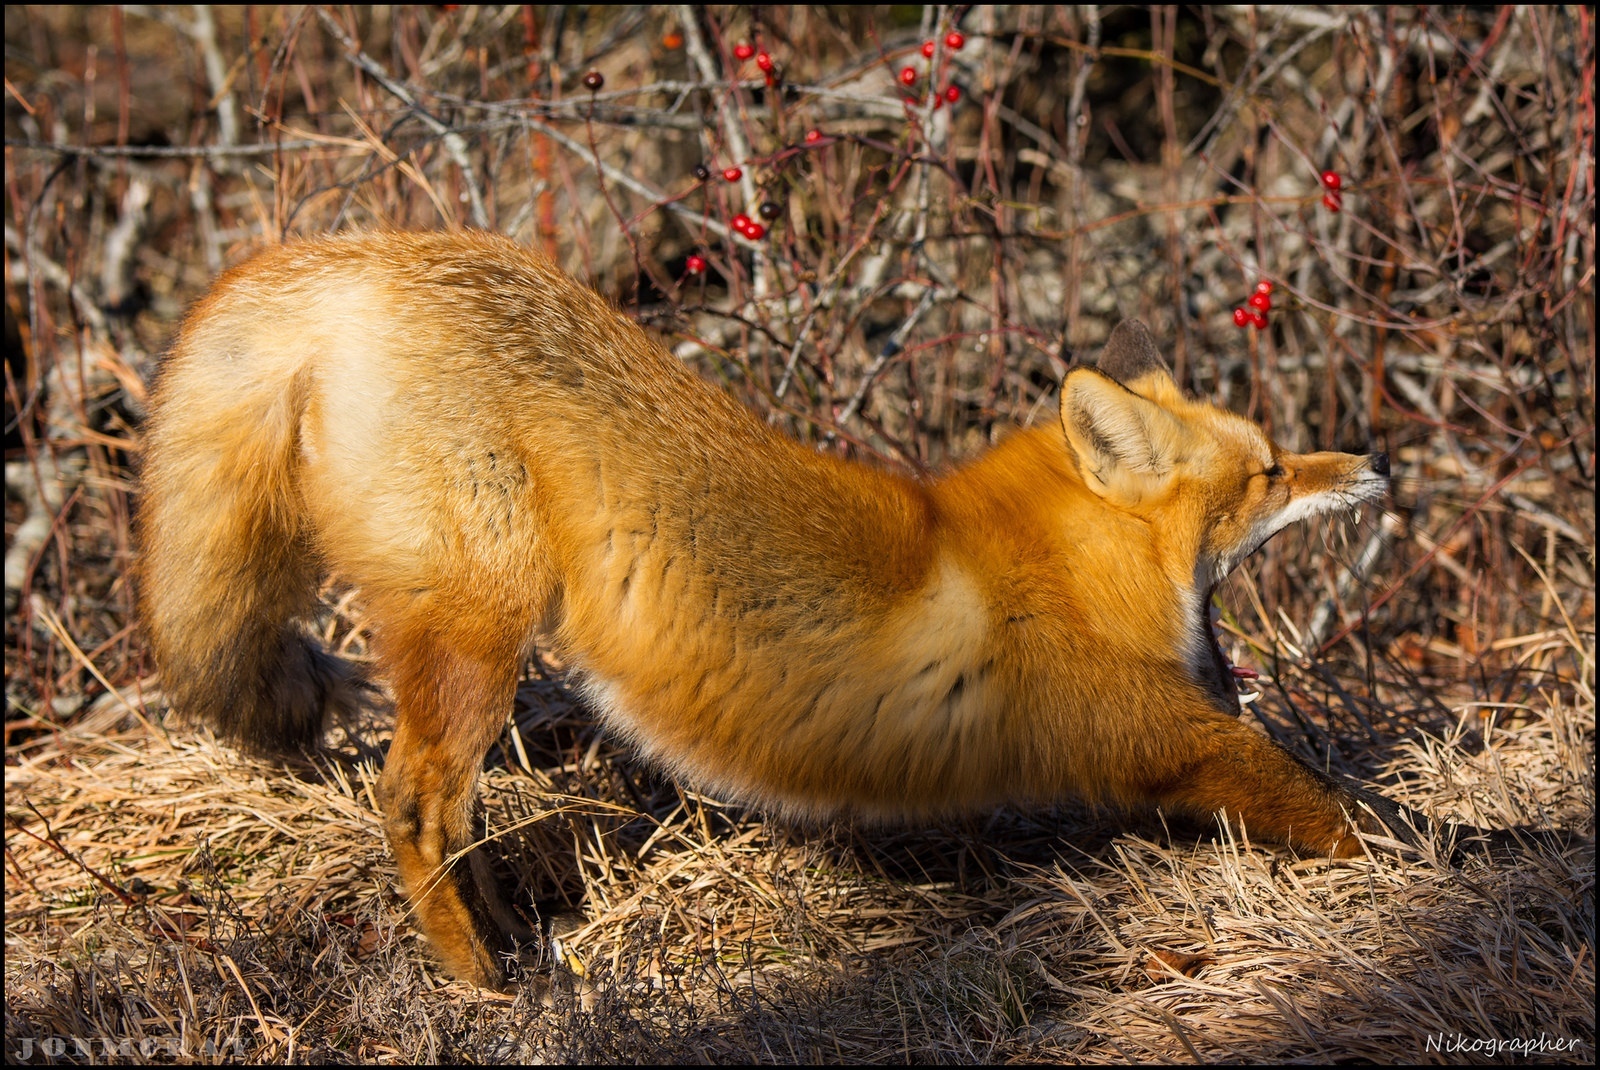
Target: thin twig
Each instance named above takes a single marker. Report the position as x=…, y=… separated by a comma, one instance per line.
x=454, y=143
x=891, y=349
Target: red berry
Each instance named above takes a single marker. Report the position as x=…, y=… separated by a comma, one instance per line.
x=952, y=93
x=1331, y=181
x=1240, y=317
x=1263, y=287
x=1258, y=321
x=740, y=222
x=764, y=61
x=927, y=49
x=813, y=136
x=953, y=41
x=695, y=264
x=1260, y=301
x=743, y=50
x=732, y=174
x=908, y=75
x=594, y=80
x=755, y=231
x=1332, y=202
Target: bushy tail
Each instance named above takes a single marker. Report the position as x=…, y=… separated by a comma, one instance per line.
x=227, y=573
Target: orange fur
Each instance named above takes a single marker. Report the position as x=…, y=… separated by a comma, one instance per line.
x=492, y=453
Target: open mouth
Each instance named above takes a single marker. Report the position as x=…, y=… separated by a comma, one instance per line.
x=1221, y=676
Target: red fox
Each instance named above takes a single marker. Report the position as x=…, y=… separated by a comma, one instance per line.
x=492, y=453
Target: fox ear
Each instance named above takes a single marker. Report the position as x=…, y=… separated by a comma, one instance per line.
x=1126, y=446
x=1131, y=354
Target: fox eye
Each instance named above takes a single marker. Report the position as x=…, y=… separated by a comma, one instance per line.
x=1275, y=472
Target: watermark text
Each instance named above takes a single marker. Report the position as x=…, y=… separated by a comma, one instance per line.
x=1462, y=1044
x=26, y=1049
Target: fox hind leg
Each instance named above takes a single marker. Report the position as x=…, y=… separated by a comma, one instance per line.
x=450, y=705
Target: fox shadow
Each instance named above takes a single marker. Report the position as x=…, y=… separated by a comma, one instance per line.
x=562, y=802
x=558, y=747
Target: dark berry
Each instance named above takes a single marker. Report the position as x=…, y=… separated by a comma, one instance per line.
x=701, y=172
x=594, y=80
x=770, y=210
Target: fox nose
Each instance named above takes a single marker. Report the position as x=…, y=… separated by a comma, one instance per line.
x=1379, y=463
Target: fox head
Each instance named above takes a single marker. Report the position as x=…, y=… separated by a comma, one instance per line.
x=1210, y=485
x=1208, y=476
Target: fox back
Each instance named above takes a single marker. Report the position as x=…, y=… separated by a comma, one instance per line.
x=494, y=455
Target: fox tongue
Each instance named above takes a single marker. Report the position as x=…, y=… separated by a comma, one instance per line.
x=1239, y=671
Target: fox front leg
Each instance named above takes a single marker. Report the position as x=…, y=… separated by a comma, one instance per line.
x=1214, y=763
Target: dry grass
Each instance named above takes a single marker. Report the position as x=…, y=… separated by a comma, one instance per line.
x=258, y=907
x=928, y=277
